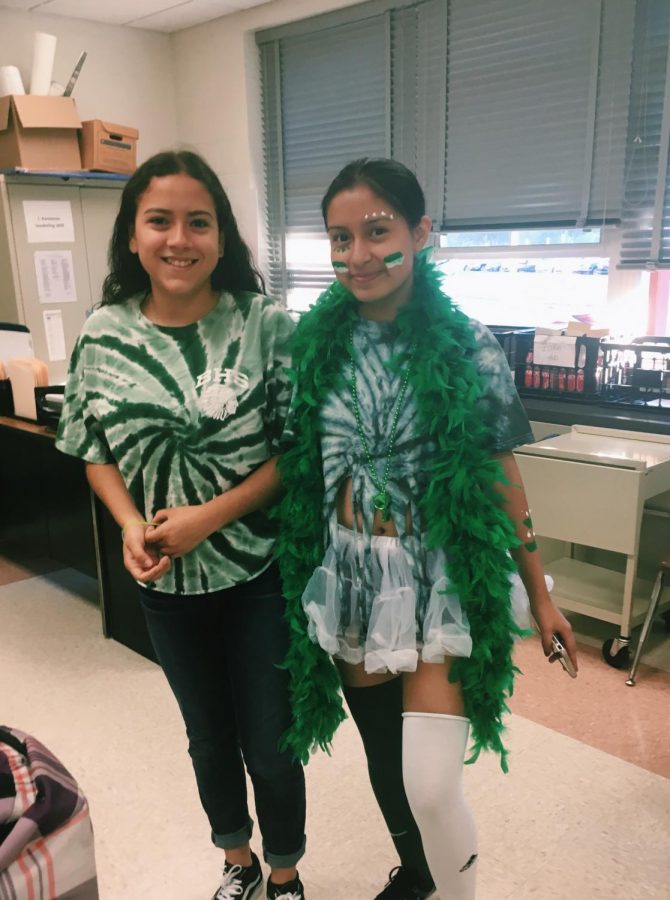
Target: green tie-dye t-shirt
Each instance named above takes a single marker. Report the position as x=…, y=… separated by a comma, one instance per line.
x=185, y=413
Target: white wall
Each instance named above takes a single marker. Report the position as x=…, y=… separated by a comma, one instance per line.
x=127, y=77
x=218, y=99
x=197, y=88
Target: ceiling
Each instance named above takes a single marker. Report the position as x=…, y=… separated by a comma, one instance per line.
x=156, y=15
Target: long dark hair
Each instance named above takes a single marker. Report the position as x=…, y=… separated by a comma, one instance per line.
x=235, y=270
x=389, y=179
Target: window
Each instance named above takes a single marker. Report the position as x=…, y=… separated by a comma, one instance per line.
x=528, y=277
x=512, y=115
x=531, y=237
x=529, y=291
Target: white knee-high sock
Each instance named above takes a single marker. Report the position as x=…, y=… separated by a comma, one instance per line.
x=433, y=753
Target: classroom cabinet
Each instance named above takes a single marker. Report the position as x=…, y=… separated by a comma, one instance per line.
x=54, y=238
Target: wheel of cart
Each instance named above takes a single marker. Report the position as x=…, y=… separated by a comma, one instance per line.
x=616, y=652
x=617, y=657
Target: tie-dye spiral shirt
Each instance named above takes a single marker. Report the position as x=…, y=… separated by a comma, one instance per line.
x=378, y=389
x=185, y=413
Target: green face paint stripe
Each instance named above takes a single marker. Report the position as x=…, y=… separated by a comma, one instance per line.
x=394, y=259
x=339, y=266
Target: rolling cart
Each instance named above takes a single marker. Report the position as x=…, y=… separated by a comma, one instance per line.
x=589, y=486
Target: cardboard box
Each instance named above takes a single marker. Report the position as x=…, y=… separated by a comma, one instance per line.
x=106, y=147
x=39, y=133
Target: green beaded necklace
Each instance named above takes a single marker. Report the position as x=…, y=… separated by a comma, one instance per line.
x=382, y=499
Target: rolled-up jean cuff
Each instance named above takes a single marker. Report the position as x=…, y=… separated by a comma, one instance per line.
x=284, y=860
x=235, y=839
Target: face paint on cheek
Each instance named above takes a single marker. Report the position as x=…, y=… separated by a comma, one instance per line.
x=394, y=259
x=339, y=266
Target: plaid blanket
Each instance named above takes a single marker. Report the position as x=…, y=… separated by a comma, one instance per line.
x=46, y=837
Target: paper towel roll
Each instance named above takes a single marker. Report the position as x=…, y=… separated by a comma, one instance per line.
x=10, y=81
x=44, y=50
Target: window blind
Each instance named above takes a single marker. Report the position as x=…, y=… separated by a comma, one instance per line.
x=418, y=96
x=536, y=111
x=511, y=114
x=333, y=108
x=273, y=165
x=343, y=86
x=646, y=216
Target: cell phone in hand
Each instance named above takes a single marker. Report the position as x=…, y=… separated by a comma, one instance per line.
x=561, y=654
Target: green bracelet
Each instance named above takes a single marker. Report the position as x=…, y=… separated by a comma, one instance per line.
x=530, y=544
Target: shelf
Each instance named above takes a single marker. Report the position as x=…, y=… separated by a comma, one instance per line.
x=595, y=591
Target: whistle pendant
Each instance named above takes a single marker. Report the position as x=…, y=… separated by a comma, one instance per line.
x=382, y=502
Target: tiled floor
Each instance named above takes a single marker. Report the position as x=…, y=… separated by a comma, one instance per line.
x=597, y=707
x=584, y=813
x=15, y=568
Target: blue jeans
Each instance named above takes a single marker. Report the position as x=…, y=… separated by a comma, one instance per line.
x=219, y=652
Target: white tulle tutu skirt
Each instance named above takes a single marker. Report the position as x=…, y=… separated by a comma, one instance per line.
x=336, y=607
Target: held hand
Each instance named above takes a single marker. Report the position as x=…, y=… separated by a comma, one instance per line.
x=550, y=620
x=144, y=562
x=179, y=530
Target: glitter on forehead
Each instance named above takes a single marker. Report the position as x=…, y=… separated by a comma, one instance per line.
x=382, y=214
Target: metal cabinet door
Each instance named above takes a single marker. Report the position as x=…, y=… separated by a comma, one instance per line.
x=30, y=308
x=596, y=505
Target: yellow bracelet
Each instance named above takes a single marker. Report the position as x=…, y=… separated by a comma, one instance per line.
x=133, y=522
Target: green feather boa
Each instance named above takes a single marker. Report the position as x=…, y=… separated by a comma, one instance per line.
x=461, y=508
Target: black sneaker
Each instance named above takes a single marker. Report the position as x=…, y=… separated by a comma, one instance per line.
x=292, y=890
x=404, y=884
x=241, y=882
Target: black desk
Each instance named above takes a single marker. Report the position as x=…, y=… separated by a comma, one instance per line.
x=47, y=509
